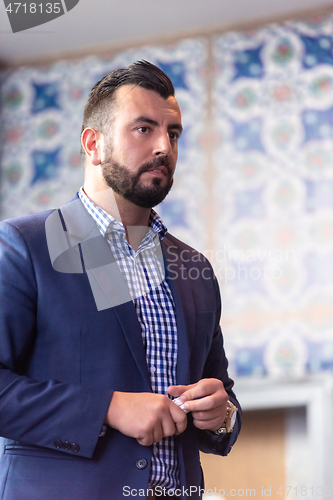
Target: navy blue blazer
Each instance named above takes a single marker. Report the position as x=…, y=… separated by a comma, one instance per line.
x=61, y=359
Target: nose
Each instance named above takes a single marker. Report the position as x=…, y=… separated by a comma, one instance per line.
x=163, y=145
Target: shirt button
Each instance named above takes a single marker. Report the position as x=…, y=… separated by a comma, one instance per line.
x=141, y=463
x=153, y=369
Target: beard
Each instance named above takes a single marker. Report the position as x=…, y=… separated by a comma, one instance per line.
x=128, y=185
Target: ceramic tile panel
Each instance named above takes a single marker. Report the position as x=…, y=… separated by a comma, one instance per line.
x=42, y=109
x=273, y=114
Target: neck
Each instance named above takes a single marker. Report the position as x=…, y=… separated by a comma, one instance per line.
x=135, y=219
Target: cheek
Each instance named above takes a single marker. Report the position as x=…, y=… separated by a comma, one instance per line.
x=173, y=161
x=128, y=155
x=136, y=152
x=175, y=152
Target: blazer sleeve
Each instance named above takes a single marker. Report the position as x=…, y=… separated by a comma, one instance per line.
x=216, y=366
x=37, y=412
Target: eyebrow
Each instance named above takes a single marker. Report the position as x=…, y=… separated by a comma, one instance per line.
x=146, y=119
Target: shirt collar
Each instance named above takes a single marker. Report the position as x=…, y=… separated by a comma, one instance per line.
x=106, y=222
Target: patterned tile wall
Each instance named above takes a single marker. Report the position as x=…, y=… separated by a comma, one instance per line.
x=269, y=94
x=273, y=95
x=41, y=122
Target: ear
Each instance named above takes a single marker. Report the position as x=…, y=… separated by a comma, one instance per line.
x=93, y=143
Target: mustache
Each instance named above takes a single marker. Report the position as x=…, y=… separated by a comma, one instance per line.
x=159, y=161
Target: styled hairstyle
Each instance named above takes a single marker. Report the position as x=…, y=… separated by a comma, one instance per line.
x=142, y=73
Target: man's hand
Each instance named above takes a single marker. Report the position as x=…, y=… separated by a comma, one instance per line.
x=207, y=400
x=145, y=416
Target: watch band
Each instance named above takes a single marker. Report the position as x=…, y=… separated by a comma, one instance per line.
x=229, y=420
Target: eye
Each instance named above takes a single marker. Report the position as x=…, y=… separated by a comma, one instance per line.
x=143, y=129
x=174, y=136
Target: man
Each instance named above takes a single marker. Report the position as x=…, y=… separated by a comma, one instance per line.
x=105, y=318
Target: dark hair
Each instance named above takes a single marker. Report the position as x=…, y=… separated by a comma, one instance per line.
x=141, y=73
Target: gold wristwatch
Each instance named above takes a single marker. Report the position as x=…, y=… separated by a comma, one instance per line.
x=229, y=420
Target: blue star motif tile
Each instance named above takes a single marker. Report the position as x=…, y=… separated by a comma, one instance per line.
x=249, y=203
x=46, y=96
x=176, y=72
x=318, y=195
x=317, y=124
x=317, y=50
x=247, y=136
x=248, y=64
x=46, y=164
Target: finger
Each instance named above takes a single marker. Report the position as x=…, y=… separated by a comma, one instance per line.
x=168, y=427
x=207, y=403
x=179, y=418
x=146, y=440
x=181, y=426
x=178, y=390
x=210, y=404
x=204, y=387
x=158, y=433
x=211, y=424
x=169, y=419
x=215, y=413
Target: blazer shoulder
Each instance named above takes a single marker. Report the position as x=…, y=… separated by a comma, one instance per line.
x=177, y=247
x=169, y=240
x=27, y=224
x=31, y=223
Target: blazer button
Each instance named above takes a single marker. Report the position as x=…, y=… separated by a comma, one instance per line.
x=58, y=443
x=75, y=448
x=67, y=446
x=141, y=463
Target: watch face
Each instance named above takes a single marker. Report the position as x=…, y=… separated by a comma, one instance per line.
x=233, y=419
x=229, y=421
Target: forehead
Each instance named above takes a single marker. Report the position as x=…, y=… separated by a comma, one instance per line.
x=133, y=101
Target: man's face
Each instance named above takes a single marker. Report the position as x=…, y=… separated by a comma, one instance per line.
x=141, y=149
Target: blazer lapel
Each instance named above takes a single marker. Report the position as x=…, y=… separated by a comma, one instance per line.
x=82, y=228
x=179, y=283
x=79, y=223
x=128, y=320
x=107, y=283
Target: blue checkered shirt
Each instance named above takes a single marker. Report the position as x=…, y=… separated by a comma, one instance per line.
x=154, y=305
